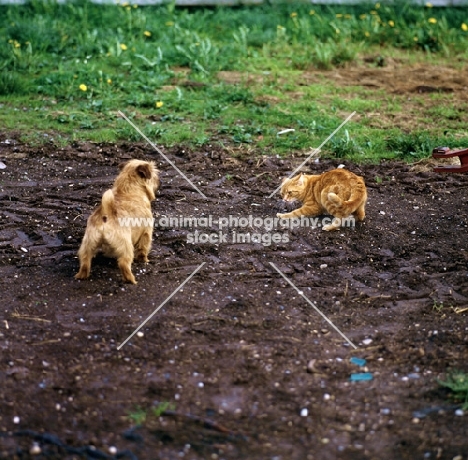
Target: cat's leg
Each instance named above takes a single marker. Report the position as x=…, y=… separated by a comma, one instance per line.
x=335, y=225
x=305, y=210
x=360, y=212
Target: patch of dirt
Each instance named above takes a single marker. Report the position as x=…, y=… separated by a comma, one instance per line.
x=245, y=367
x=397, y=78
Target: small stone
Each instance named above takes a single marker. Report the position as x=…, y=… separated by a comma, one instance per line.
x=326, y=397
x=385, y=411
x=304, y=412
x=459, y=413
x=367, y=341
x=112, y=450
x=201, y=384
x=2, y=165
x=16, y=420
x=457, y=457
x=35, y=449
x=323, y=266
x=382, y=212
x=325, y=440
x=415, y=420
x=140, y=334
x=24, y=249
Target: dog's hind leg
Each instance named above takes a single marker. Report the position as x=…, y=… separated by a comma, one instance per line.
x=143, y=246
x=86, y=253
x=125, y=260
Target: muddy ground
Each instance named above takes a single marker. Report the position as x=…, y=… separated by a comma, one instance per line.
x=237, y=356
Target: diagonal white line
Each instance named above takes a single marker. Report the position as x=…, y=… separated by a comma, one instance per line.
x=160, y=306
x=315, y=151
x=160, y=152
x=313, y=305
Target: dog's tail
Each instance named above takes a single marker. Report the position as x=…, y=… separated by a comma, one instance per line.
x=347, y=207
x=107, y=205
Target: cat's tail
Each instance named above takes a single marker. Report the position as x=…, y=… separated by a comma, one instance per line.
x=347, y=207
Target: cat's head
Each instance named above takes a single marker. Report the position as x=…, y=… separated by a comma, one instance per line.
x=293, y=189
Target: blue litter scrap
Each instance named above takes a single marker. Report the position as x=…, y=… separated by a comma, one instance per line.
x=358, y=361
x=360, y=377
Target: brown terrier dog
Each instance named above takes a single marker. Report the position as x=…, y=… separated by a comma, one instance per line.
x=122, y=226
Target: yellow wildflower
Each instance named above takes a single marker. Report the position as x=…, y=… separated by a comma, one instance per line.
x=109, y=81
x=293, y=15
x=125, y=4
x=391, y=23
x=159, y=104
x=135, y=6
x=128, y=8
x=367, y=34
x=377, y=6
x=83, y=87
x=373, y=12
x=169, y=23
x=347, y=16
x=432, y=21
x=147, y=33
x=312, y=12
x=415, y=39
x=429, y=5
x=362, y=16
x=339, y=15
x=123, y=46
x=17, y=45
x=464, y=27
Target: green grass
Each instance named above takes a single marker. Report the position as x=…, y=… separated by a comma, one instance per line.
x=457, y=383
x=67, y=69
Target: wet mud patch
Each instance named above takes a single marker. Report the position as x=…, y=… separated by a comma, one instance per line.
x=237, y=364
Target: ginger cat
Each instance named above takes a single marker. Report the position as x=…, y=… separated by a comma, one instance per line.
x=337, y=192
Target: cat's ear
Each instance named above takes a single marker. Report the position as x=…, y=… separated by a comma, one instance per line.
x=301, y=180
x=284, y=180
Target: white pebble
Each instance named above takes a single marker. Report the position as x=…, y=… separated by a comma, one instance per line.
x=24, y=249
x=112, y=450
x=140, y=334
x=323, y=266
x=382, y=212
x=304, y=412
x=367, y=341
x=459, y=412
x=326, y=397
x=35, y=449
x=16, y=420
x=201, y=384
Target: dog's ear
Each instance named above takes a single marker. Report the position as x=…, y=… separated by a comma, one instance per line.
x=122, y=165
x=144, y=171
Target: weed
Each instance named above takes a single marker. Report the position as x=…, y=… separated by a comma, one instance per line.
x=161, y=408
x=438, y=306
x=137, y=416
x=12, y=83
x=457, y=383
